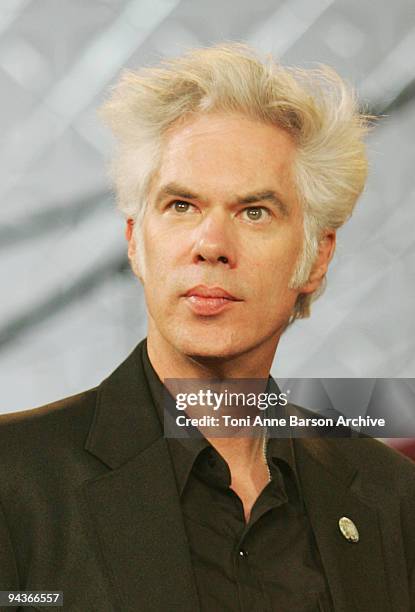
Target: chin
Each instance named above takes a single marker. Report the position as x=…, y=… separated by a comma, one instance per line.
x=211, y=344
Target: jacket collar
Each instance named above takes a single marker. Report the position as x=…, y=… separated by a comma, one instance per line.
x=124, y=422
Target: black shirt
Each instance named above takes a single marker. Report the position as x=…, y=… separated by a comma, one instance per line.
x=270, y=563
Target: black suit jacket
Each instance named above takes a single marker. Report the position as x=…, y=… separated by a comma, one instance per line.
x=89, y=506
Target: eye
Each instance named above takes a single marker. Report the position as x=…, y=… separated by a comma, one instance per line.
x=256, y=213
x=180, y=206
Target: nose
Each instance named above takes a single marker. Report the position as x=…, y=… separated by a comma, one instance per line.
x=213, y=241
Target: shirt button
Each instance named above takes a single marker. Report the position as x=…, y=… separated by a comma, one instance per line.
x=243, y=554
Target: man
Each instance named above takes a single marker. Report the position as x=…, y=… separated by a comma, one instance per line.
x=233, y=176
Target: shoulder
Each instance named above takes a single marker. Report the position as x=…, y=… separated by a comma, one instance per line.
x=49, y=418
x=30, y=439
x=379, y=461
x=378, y=465
x=342, y=450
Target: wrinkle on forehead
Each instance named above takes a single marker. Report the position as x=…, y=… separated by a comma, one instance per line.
x=212, y=124
x=236, y=149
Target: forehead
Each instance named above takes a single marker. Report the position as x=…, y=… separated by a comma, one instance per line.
x=229, y=153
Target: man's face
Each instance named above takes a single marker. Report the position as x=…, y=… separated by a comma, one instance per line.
x=221, y=236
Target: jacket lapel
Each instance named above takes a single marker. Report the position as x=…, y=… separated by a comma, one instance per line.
x=135, y=507
x=355, y=571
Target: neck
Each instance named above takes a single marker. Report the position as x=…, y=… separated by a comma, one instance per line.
x=168, y=362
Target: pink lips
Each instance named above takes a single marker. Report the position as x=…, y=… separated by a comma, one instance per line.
x=208, y=301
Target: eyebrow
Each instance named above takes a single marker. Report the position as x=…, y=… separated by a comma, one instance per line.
x=269, y=195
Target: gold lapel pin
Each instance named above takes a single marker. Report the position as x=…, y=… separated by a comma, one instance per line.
x=348, y=529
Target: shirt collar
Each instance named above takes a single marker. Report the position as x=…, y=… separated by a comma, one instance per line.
x=185, y=451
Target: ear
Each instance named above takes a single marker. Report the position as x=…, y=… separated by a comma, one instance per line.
x=129, y=229
x=325, y=253
x=132, y=247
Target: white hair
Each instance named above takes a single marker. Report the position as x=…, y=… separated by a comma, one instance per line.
x=315, y=106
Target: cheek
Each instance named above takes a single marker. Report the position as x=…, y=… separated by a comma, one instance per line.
x=162, y=254
x=272, y=263
x=268, y=277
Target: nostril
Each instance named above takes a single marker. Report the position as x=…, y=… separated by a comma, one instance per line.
x=221, y=258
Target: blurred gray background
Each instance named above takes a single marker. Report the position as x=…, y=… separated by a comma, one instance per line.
x=70, y=308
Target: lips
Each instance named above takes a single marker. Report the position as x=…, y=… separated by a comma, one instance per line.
x=208, y=301
x=210, y=292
